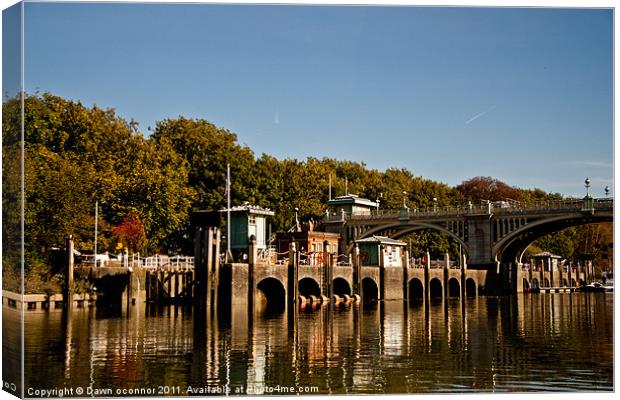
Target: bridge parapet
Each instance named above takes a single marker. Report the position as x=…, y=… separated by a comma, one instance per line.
x=585, y=204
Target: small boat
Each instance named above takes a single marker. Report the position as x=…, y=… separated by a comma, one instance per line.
x=594, y=287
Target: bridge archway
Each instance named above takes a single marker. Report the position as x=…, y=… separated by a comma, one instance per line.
x=454, y=288
x=341, y=287
x=370, y=290
x=573, y=283
x=407, y=228
x=470, y=287
x=546, y=282
x=435, y=288
x=535, y=284
x=271, y=294
x=308, y=287
x=526, y=284
x=511, y=247
x=416, y=290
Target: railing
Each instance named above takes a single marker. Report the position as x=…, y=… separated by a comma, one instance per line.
x=157, y=261
x=469, y=209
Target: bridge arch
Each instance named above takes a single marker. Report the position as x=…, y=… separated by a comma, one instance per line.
x=511, y=247
x=309, y=287
x=454, y=287
x=403, y=229
x=470, y=287
x=370, y=290
x=416, y=290
x=341, y=286
x=435, y=288
x=271, y=294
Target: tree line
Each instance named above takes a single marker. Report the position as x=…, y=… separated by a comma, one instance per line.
x=146, y=187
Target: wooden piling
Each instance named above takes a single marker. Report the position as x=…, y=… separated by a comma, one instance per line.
x=68, y=295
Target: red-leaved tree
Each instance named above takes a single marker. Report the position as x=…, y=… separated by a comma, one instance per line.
x=130, y=233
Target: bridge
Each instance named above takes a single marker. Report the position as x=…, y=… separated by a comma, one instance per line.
x=488, y=235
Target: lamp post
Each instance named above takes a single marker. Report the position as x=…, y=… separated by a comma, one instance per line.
x=404, y=199
x=607, y=190
x=435, y=204
x=296, y=219
x=587, y=182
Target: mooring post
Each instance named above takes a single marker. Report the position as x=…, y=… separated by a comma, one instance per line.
x=570, y=274
x=427, y=270
x=292, y=275
x=357, y=271
x=463, y=263
x=68, y=295
x=530, y=272
x=215, y=283
x=198, y=268
x=329, y=292
x=381, y=272
x=252, y=258
x=208, y=256
x=406, y=267
x=446, y=275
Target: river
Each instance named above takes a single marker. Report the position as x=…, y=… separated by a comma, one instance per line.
x=533, y=342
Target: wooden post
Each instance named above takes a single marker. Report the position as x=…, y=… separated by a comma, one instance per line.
x=207, y=254
x=427, y=272
x=292, y=275
x=463, y=275
x=198, y=268
x=68, y=295
x=357, y=270
x=329, y=291
x=570, y=274
x=381, y=251
x=446, y=276
x=252, y=257
x=406, y=276
x=216, y=267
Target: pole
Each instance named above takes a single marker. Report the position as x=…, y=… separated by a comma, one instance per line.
x=96, y=220
x=228, y=209
x=330, y=186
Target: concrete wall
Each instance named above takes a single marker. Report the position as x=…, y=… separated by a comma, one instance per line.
x=392, y=283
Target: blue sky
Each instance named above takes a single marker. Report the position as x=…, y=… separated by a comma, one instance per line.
x=523, y=95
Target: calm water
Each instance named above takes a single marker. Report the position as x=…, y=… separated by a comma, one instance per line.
x=542, y=342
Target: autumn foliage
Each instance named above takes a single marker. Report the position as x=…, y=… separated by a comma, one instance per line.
x=130, y=233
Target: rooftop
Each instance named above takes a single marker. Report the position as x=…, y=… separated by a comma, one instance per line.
x=250, y=209
x=352, y=199
x=381, y=240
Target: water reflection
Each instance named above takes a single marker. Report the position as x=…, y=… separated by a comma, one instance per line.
x=521, y=343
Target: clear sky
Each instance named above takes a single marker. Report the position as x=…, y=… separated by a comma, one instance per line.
x=523, y=95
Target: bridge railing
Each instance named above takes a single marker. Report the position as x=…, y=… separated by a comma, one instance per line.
x=469, y=209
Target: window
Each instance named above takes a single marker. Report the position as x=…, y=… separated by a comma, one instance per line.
x=252, y=219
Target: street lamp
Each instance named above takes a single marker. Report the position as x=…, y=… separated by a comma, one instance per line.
x=607, y=190
x=296, y=219
x=587, y=182
x=404, y=199
x=435, y=204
